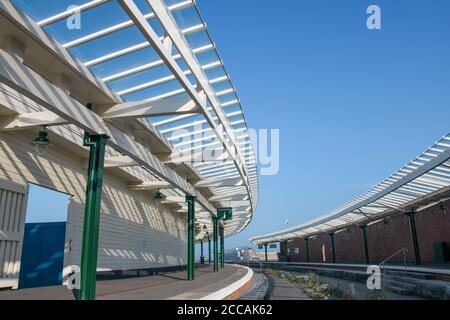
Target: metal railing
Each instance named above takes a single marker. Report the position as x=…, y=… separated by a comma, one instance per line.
x=403, y=251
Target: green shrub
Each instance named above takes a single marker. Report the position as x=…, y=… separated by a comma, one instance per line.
x=310, y=284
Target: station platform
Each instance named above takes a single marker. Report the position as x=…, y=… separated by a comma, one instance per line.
x=208, y=285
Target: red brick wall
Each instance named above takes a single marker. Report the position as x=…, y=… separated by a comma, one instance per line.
x=433, y=225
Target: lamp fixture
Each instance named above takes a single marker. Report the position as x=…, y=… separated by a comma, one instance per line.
x=158, y=196
x=41, y=143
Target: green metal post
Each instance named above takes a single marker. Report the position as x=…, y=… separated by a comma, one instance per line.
x=89, y=250
x=202, y=258
x=222, y=248
x=265, y=252
x=286, y=258
x=209, y=250
x=365, y=243
x=412, y=225
x=307, y=249
x=191, y=237
x=333, y=249
x=216, y=245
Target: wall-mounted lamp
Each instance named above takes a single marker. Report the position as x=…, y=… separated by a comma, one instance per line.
x=158, y=196
x=41, y=143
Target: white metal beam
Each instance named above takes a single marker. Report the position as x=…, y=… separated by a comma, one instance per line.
x=24, y=80
x=198, y=157
x=125, y=51
x=152, y=65
x=171, y=29
x=119, y=26
x=119, y=161
x=33, y=119
x=234, y=197
x=71, y=11
x=151, y=185
x=235, y=182
x=144, y=109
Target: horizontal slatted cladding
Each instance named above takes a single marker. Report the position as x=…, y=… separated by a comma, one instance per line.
x=13, y=201
x=134, y=231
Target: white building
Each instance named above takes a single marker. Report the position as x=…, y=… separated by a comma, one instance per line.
x=174, y=123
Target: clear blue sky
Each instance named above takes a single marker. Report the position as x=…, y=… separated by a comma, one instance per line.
x=352, y=105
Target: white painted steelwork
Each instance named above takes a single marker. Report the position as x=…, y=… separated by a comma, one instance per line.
x=417, y=184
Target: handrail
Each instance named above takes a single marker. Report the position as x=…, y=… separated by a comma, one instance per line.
x=403, y=250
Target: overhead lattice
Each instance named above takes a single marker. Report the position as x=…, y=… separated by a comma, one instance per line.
x=158, y=50
x=420, y=182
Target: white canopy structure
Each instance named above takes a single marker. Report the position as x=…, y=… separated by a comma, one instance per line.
x=148, y=65
x=423, y=182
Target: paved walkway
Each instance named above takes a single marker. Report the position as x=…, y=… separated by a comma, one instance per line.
x=282, y=289
x=160, y=287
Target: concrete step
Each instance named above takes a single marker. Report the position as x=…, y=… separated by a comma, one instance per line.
x=409, y=274
x=401, y=284
x=399, y=290
x=400, y=279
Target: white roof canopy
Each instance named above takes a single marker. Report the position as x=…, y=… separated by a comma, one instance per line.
x=424, y=180
x=158, y=58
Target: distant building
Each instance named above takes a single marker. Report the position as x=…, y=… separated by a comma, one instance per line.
x=246, y=253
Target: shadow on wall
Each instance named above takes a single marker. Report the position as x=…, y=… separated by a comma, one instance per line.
x=135, y=232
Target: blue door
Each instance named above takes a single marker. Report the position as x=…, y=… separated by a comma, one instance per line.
x=42, y=255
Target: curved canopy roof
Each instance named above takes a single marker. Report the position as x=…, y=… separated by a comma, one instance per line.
x=424, y=180
x=160, y=54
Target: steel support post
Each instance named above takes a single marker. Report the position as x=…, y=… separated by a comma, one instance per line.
x=191, y=237
x=333, y=249
x=209, y=250
x=365, y=243
x=307, y=249
x=89, y=250
x=222, y=248
x=412, y=225
x=286, y=251
x=265, y=252
x=216, y=245
x=202, y=258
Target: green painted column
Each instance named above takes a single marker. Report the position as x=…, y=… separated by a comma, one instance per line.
x=209, y=250
x=286, y=253
x=412, y=226
x=222, y=248
x=265, y=252
x=333, y=249
x=202, y=258
x=89, y=249
x=307, y=249
x=216, y=245
x=191, y=237
x=365, y=243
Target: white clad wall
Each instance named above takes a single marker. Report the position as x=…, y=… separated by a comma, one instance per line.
x=134, y=232
x=13, y=203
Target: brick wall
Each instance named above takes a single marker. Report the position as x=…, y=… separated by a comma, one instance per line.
x=384, y=238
